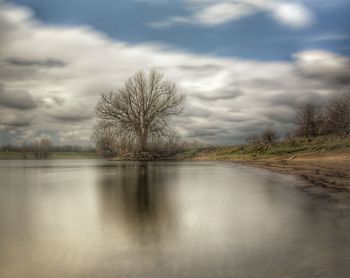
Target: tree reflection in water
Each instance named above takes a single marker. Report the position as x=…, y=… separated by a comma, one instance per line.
x=134, y=199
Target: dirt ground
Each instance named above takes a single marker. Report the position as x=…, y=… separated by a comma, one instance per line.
x=327, y=173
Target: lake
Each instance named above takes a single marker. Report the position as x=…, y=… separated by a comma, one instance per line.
x=95, y=218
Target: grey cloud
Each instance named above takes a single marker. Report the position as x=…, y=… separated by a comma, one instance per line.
x=45, y=63
x=233, y=118
x=202, y=133
x=324, y=66
x=268, y=84
x=221, y=95
x=339, y=77
x=53, y=101
x=195, y=111
x=72, y=117
x=207, y=68
x=17, y=99
x=295, y=99
x=282, y=117
x=15, y=123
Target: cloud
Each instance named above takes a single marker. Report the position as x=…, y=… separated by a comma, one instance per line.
x=12, y=121
x=213, y=13
x=227, y=98
x=15, y=122
x=52, y=101
x=292, y=14
x=18, y=99
x=324, y=65
x=229, y=93
x=170, y=22
x=46, y=63
x=222, y=12
x=69, y=116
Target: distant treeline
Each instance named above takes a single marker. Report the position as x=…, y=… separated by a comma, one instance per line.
x=312, y=120
x=42, y=149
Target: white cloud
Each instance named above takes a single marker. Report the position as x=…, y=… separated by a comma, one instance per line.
x=227, y=98
x=210, y=13
x=221, y=12
x=292, y=14
x=169, y=22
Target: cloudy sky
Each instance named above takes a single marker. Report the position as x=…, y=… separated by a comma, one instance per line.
x=244, y=65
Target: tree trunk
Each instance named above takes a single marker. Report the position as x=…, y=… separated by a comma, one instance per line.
x=143, y=138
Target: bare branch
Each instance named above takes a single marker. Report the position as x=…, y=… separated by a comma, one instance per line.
x=142, y=108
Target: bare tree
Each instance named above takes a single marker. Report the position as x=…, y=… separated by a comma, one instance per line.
x=36, y=149
x=269, y=136
x=24, y=150
x=171, y=141
x=45, y=148
x=41, y=149
x=309, y=119
x=105, y=140
x=141, y=108
x=124, y=145
x=338, y=114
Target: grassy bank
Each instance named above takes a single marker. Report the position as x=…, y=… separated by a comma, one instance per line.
x=287, y=149
x=55, y=155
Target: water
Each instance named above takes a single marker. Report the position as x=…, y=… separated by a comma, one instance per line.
x=91, y=218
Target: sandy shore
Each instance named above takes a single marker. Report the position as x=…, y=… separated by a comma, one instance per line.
x=328, y=177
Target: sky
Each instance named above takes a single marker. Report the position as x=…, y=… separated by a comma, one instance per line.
x=244, y=65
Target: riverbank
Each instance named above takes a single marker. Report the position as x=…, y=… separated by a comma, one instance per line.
x=55, y=155
x=323, y=162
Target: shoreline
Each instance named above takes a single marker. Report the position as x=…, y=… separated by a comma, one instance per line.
x=326, y=170
x=326, y=175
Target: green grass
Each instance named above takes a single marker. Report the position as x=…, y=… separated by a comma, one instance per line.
x=187, y=154
x=286, y=148
x=10, y=155
x=55, y=155
x=74, y=155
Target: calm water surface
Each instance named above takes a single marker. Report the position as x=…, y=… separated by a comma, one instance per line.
x=90, y=218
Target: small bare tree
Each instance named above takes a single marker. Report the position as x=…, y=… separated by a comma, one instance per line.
x=269, y=137
x=171, y=141
x=105, y=140
x=338, y=114
x=141, y=108
x=24, y=150
x=36, y=149
x=45, y=148
x=309, y=119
